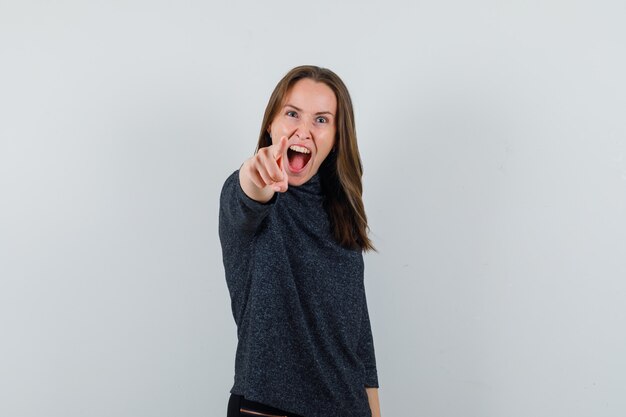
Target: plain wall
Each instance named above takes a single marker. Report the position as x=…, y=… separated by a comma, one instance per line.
x=493, y=138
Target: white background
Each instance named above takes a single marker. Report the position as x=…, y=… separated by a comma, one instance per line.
x=493, y=137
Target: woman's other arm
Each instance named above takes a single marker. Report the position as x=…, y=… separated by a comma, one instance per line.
x=372, y=396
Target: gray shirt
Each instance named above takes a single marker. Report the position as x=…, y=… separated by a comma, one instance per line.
x=298, y=299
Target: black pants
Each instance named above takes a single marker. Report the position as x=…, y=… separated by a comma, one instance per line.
x=238, y=406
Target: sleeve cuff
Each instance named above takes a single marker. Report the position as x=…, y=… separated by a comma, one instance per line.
x=371, y=378
x=249, y=202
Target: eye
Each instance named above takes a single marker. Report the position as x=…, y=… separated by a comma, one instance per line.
x=321, y=119
x=291, y=113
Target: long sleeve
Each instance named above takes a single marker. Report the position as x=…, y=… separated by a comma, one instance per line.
x=240, y=217
x=366, y=348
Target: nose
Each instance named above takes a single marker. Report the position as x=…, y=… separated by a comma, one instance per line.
x=303, y=130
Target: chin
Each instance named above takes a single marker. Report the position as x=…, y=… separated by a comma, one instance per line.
x=298, y=180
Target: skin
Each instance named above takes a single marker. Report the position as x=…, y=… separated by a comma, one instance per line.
x=306, y=118
x=372, y=396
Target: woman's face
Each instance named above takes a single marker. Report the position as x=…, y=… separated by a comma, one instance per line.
x=307, y=119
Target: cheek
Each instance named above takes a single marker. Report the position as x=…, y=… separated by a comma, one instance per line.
x=280, y=127
x=325, y=147
x=330, y=140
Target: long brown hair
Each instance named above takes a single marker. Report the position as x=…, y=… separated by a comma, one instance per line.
x=341, y=171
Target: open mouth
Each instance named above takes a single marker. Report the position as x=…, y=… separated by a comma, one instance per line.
x=298, y=157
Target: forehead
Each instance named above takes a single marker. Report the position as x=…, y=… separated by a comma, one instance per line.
x=311, y=96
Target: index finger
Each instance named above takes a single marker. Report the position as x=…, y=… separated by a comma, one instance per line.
x=280, y=148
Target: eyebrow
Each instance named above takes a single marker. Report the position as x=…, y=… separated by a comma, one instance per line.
x=318, y=113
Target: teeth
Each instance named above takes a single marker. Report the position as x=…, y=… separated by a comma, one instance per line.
x=300, y=149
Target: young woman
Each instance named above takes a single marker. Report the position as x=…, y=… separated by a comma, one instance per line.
x=293, y=228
